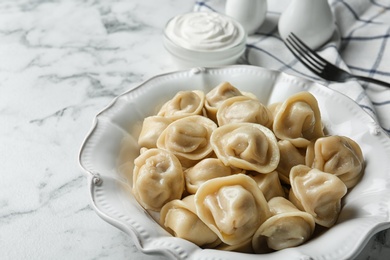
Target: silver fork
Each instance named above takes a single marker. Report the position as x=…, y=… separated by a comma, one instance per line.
x=320, y=66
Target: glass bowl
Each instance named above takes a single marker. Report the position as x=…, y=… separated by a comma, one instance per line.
x=204, y=39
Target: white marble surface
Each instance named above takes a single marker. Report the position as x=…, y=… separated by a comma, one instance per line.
x=60, y=63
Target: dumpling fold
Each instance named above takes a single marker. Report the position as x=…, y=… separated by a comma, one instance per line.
x=233, y=207
x=157, y=178
x=318, y=193
x=247, y=146
x=287, y=227
x=298, y=120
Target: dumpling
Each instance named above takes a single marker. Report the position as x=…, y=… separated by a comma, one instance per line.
x=152, y=127
x=288, y=227
x=274, y=108
x=179, y=218
x=268, y=183
x=244, y=247
x=338, y=155
x=205, y=170
x=298, y=120
x=188, y=138
x=247, y=146
x=290, y=156
x=184, y=103
x=243, y=109
x=157, y=178
x=318, y=193
x=233, y=207
x=217, y=95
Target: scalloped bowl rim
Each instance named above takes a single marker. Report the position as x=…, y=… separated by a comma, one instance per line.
x=365, y=209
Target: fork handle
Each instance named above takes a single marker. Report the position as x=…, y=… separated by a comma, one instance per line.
x=382, y=83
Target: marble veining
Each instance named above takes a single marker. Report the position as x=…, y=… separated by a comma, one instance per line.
x=61, y=62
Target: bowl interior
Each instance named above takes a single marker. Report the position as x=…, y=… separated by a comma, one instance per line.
x=111, y=146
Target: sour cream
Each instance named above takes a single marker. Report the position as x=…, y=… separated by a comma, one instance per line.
x=205, y=39
x=204, y=31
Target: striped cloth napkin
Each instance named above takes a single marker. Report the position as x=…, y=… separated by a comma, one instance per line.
x=361, y=45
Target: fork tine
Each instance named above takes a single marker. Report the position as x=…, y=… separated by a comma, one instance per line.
x=316, y=58
x=303, y=56
x=300, y=55
x=319, y=65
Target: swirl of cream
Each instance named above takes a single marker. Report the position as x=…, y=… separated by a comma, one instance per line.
x=204, y=31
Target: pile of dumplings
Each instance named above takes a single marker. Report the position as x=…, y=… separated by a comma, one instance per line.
x=225, y=171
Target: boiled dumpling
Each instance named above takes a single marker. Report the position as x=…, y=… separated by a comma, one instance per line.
x=157, y=178
x=318, y=193
x=274, y=108
x=179, y=218
x=288, y=227
x=184, y=103
x=233, y=207
x=243, y=109
x=290, y=156
x=268, y=183
x=247, y=146
x=244, y=247
x=188, y=138
x=205, y=170
x=338, y=155
x=217, y=95
x=298, y=120
x=152, y=127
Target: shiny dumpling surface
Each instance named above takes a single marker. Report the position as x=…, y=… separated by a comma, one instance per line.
x=289, y=157
x=233, y=207
x=338, y=155
x=217, y=95
x=318, y=193
x=203, y=171
x=247, y=146
x=184, y=103
x=188, y=137
x=268, y=183
x=180, y=219
x=152, y=127
x=298, y=120
x=157, y=178
x=243, y=109
x=287, y=227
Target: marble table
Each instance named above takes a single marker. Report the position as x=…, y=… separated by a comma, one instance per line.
x=60, y=63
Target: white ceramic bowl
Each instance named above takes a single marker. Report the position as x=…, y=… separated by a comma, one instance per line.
x=365, y=209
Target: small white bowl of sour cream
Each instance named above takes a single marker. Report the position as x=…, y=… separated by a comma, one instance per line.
x=204, y=39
